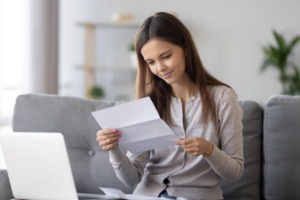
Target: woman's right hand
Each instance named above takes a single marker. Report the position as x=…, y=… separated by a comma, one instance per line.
x=108, y=139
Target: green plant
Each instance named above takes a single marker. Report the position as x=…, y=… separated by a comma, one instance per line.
x=97, y=92
x=131, y=47
x=278, y=56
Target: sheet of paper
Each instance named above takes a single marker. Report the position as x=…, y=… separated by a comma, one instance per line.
x=140, y=124
x=115, y=193
x=126, y=114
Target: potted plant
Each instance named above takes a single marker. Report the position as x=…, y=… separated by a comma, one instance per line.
x=278, y=56
x=97, y=92
x=131, y=47
x=132, y=52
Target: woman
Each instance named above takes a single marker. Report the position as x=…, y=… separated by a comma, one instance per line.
x=201, y=110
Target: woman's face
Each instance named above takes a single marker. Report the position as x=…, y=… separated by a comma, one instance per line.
x=165, y=60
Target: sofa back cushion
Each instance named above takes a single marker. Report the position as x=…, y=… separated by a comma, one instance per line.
x=282, y=147
x=72, y=117
x=249, y=186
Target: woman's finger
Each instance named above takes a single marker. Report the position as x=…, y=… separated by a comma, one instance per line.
x=108, y=139
x=107, y=132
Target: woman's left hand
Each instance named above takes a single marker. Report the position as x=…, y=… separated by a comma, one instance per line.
x=196, y=146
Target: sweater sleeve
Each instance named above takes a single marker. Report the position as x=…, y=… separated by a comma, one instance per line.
x=128, y=168
x=227, y=160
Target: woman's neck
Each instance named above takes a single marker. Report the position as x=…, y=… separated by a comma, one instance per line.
x=184, y=91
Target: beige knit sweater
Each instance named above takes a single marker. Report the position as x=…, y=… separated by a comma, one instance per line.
x=191, y=177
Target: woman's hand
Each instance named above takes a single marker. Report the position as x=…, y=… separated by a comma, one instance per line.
x=108, y=139
x=196, y=146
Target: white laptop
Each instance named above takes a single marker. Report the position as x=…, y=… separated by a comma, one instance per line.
x=38, y=167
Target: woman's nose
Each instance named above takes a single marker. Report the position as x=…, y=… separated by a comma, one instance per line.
x=160, y=66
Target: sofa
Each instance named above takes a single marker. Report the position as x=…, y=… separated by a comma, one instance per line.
x=271, y=144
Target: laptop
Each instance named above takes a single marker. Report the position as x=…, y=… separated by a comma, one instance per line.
x=38, y=167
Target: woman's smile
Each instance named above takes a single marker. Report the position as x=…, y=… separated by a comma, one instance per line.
x=166, y=75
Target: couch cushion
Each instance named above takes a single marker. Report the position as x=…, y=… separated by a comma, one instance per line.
x=282, y=147
x=249, y=186
x=72, y=117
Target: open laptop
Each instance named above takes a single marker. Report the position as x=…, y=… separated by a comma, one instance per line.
x=38, y=167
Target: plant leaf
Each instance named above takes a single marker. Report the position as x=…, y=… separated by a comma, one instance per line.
x=280, y=40
x=293, y=43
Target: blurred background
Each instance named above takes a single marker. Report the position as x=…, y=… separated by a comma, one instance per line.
x=82, y=48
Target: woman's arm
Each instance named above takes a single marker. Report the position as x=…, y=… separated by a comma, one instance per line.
x=128, y=168
x=228, y=160
x=129, y=171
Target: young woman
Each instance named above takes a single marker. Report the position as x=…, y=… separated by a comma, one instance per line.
x=201, y=110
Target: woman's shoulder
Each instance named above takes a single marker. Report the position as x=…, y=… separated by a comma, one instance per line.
x=222, y=93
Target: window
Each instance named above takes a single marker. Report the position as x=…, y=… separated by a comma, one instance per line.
x=14, y=40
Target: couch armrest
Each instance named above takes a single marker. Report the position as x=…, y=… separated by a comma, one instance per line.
x=5, y=190
x=281, y=147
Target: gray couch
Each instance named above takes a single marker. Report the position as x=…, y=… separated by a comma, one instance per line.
x=271, y=144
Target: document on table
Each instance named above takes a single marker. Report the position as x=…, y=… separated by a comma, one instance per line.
x=139, y=122
x=115, y=193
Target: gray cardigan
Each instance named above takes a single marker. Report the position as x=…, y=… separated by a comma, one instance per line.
x=191, y=177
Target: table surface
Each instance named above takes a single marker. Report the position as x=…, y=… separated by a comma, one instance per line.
x=3, y=129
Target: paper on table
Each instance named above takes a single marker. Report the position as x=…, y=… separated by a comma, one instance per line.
x=115, y=193
x=142, y=128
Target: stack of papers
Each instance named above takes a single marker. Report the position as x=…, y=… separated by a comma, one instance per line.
x=141, y=127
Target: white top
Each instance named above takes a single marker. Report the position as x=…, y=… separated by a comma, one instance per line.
x=191, y=177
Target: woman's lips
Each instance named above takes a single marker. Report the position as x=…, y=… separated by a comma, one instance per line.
x=167, y=75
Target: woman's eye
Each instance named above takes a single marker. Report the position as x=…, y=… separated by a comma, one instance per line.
x=150, y=63
x=166, y=56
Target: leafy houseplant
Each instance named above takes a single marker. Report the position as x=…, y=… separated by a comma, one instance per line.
x=278, y=56
x=133, y=57
x=97, y=92
x=131, y=47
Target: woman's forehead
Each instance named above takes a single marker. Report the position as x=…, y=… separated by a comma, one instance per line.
x=156, y=46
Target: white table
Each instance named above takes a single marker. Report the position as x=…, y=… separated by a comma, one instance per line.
x=2, y=162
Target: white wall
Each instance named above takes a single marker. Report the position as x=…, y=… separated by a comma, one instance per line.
x=229, y=35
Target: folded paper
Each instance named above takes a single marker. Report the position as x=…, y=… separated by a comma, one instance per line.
x=139, y=122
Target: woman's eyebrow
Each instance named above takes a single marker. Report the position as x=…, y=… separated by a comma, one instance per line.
x=160, y=55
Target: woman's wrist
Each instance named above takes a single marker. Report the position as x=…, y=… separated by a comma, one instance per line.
x=209, y=150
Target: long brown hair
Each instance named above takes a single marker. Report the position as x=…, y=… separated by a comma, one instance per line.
x=167, y=27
